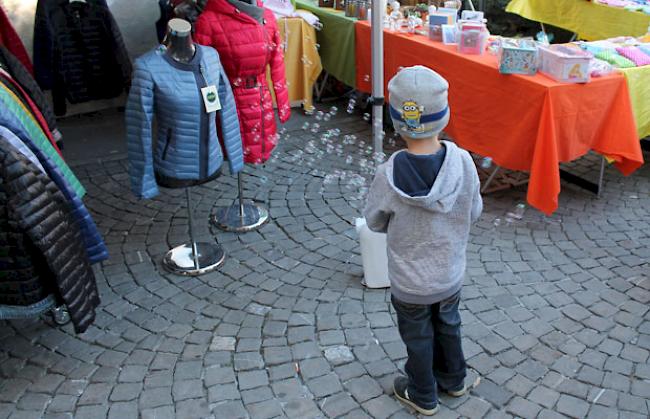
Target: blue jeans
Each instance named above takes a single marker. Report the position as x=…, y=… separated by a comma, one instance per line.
x=431, y=334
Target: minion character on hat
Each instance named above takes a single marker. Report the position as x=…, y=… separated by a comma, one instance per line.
x=411, y=113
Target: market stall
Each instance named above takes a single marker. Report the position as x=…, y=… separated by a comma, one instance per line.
x=336, y=41
x=525, y=123
x=588, y=19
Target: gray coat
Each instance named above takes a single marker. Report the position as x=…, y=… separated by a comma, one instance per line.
x=427, y=236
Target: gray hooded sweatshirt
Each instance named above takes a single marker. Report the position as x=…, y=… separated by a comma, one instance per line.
x=427, y=235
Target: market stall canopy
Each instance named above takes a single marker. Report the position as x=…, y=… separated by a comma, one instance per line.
x=590, y=20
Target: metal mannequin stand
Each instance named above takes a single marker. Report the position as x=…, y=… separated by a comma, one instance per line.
x=240, y=216
x=193, y=259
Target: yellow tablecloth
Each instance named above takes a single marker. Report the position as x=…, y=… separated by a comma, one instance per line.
x=591, y=21
x=301, y=59
x=638, y=80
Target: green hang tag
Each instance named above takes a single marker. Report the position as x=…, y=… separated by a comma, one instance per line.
x=211, y=99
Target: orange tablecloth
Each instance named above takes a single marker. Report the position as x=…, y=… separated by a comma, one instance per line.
x=524, y=123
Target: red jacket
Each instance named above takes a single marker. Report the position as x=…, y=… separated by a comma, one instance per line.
x=246, y=47
x=10, y=39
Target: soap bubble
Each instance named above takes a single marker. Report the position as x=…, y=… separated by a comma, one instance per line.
x=315, y=128
x=305, y=126
x=334, y=110
x=320, y=115
x=327, y=117
x=351, y=105
x=486, y=163
x=516, y=214
x=366, y=117
x=317, y=46
x=306, y=61
x=349, y=159
x=366, y=78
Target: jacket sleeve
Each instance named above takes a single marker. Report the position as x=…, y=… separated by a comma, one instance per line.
x=10, y=38
x=43, y=47
x=278, y=75
x=118, y=48
x=139, y=114
x=377, y=212
x=230, y=124
x=477, y=200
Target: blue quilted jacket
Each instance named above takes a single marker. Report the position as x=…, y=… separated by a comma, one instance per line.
x=187, y=151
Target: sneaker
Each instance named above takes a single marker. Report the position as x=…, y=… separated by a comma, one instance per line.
x=460, y=392
x=400, y=388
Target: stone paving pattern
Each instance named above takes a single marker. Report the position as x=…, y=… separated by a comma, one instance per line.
x=555, y=310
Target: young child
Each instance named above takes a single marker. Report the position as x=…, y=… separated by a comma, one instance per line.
x=425, y=198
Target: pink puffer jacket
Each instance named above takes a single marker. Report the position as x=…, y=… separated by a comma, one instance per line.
x=246, y=47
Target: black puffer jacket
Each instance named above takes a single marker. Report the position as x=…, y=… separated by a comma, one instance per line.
x=78, y=52
x=36, y=220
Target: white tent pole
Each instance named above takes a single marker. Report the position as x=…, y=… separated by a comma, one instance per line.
x=377, y=16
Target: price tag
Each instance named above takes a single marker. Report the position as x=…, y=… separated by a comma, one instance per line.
x=211, y=99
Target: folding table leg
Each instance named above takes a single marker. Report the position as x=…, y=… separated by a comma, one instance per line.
x=600, y=177
x=321, y=88
x=490, y=179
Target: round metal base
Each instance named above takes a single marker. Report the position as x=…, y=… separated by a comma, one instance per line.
x=180, y=260
x=230, y=219
x=60, y=315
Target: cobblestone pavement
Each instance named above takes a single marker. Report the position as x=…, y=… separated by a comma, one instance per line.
x=555, y=310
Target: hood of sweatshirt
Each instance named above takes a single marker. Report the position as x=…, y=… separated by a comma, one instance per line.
x=445, y=190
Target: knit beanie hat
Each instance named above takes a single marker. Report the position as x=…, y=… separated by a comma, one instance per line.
x=417, y=98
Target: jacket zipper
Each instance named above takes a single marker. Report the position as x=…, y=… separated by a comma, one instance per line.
x=169, y=140
x=262, y=93
x=205, y=128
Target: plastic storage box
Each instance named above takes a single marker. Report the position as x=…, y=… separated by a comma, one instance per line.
x=565, y=64
x=472, y=37
x=518, y=57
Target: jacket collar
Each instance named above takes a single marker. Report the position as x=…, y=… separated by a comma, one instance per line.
x=193, y=65
x=225, y=7
x=252, y=10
